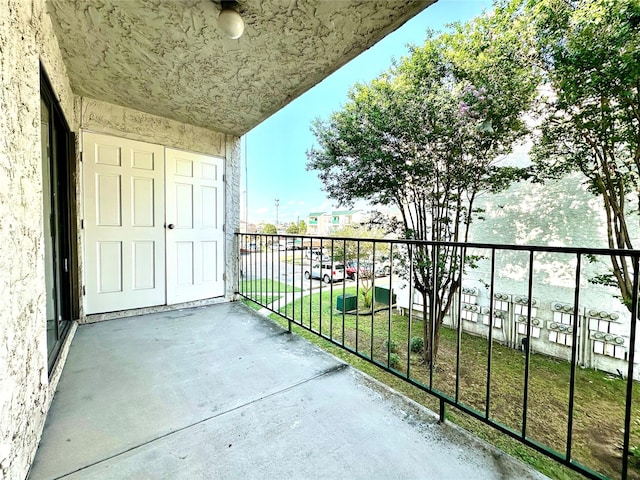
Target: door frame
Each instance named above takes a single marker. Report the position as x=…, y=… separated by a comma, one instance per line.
x=63, y=174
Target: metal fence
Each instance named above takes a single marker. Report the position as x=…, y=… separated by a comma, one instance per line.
x=527, y=337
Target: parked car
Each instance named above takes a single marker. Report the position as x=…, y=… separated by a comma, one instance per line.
x=328, y=272
x=350, y=269
x=366, y=269
x=317, y=254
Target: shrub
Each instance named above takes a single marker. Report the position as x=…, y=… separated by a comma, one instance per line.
x=394, y=360
x=394, y=345
x=366, y=299
x=416, y=344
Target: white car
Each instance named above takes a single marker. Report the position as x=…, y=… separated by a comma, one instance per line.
x=328, y=272
x=316, y=254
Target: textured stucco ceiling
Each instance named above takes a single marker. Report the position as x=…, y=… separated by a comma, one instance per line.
x=167, y=57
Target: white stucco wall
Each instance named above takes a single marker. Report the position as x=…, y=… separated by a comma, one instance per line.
x=559, y=213
x=562, y=214
x=26, y=38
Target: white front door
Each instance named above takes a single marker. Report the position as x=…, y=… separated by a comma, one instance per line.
x=194, y=218
x=123, y=185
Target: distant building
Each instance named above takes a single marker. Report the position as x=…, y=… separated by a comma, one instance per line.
x=247, y=227
x=325, y=223
x=314, y=223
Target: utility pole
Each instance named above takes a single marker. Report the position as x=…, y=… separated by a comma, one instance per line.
x=277, y=205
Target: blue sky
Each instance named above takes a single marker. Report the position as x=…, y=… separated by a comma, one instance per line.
x=275, y=150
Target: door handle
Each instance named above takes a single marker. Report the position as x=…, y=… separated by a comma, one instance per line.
x=171, y=226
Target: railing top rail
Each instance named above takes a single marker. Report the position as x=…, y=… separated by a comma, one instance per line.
x=478, y=245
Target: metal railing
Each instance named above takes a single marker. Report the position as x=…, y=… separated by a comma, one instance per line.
x=527, y=336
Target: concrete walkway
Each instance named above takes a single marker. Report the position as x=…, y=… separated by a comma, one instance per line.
x=221, y=392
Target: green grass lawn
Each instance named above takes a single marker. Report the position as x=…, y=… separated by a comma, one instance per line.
x=599, y=397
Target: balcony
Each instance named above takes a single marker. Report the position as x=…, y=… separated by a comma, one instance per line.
x=221, y=392
x=535, y=344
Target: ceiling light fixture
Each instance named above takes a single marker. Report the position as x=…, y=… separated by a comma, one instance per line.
x=229, y=20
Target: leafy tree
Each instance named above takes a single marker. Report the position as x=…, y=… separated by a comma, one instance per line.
x=293, y=229
x=425, y=137
x=302, y=227
x=589, y=52
x=269, y=229
x=347, y=250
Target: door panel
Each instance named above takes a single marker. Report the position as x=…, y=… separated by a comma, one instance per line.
x=194, y=207
x=123, y=185
x=109, y=267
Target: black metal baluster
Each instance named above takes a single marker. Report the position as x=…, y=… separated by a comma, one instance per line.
x=574, y=358
x=254, y=270
x=262, y=261
x=459, y=326
x=332, y=265
x=410, y=316
x=630, y=359
x=432, y=310
x=240, y=260
x=389, y=306
x=286, y=290
x=525, y=400
x=357, y=294
x=490, y=347
x=373, y=295
x=344, y=284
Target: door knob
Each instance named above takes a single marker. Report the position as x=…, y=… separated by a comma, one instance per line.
x=171, y=226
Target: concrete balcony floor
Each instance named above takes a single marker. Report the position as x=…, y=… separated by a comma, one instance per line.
x=221, y=392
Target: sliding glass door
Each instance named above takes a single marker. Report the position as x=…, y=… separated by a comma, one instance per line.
x=57, y=206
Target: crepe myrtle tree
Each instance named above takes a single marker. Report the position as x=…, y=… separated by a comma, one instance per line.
x=589, y=52
x=426, y=137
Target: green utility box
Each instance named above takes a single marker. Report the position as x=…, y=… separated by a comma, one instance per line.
x=346, y=303
x=381, y=295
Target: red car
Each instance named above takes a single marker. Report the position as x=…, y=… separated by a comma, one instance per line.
x=350, y=270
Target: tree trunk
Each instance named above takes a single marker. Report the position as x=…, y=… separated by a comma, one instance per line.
x=431, y=329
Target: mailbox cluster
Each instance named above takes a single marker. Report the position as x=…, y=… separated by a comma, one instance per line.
x=471, y=311
x=599, y=334
x=561, y=328
x=607, y=334
x=521, y=311
x=599, y=339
